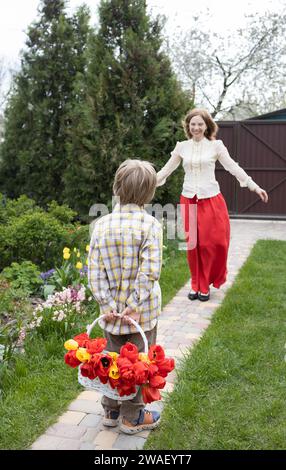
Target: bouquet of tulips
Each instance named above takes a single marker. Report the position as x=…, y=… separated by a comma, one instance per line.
x=124, y=371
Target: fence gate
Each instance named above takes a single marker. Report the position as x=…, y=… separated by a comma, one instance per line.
x=260, y=149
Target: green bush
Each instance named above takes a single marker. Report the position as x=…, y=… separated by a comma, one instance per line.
x=12, y=208
x=28, y=233
x=63, y=213
x=36, y=236
x=25, y=276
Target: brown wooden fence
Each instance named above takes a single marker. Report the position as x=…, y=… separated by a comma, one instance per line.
x=260, y=149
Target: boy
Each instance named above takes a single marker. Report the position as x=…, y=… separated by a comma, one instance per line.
x=125, y=261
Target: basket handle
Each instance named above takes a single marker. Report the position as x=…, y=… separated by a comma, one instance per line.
x=138, y=328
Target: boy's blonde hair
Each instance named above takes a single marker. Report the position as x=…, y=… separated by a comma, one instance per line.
x=135, y=182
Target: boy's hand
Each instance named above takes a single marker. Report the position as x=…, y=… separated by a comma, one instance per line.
x=111, y=316
x=128, y=312
x=124, y=316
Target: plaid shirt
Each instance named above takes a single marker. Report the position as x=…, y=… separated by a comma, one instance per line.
x=124, y=265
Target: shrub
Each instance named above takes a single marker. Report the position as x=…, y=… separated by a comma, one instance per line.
x=35, y=236
x=25, y=276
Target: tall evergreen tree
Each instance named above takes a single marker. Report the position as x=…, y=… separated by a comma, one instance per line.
x=130, y=106
x=33, y=155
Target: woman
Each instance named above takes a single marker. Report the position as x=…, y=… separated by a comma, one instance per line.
x=201, y=196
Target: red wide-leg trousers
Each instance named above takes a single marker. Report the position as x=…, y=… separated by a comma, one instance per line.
x=208, y=259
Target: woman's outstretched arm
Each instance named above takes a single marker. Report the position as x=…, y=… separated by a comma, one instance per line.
x=170, y=166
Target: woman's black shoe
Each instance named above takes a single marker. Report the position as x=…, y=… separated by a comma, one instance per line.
x=203, y=297
x=193, y=296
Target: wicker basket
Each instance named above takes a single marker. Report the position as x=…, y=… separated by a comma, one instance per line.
x=106, y=389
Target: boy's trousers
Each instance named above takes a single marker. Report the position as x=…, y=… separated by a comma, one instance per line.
x=128, y=408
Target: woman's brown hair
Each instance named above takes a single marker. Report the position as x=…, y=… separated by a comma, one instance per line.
x=212, y=127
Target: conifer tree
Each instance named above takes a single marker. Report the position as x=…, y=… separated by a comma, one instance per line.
x=33, y=154
x=130, y=106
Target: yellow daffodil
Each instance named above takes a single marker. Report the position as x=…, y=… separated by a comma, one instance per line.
x=82, y=355
x=66, y=250
x=114, y=355
x=78, y=265
x=71, y=345
x=67, y=255
x=114, y=372
x=87, y=248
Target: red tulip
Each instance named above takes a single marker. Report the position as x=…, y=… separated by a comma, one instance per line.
x=96, y=345
x=152, y=369
x=130, y=351
x=123, y=364
x=150, y=394
x=125, y=388
x=113, y=382
x=157, y=381
x=88, y=370
x=103, y=367
x=140, y=372
x=165, y=366
x=71, y=359
x=82, y=339
x=156, y=353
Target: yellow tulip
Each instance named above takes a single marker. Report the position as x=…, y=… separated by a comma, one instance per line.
x=67, y=255
x=86, y=262
x=66, y=250
x=144, y=358
x=78, y=254
x=114, y=372
x=114, y=355
x=75, y=250
x=78, y=265
x=71, y=345
x=82, y=355
x=87, y=248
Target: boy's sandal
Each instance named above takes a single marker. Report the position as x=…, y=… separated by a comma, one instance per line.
x=147, y=420
x=110, y=418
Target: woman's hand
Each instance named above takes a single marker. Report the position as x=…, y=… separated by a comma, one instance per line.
x=262, y=194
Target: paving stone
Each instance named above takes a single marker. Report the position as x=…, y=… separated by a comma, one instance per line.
x=90, y=395
x=91, y=421
x=55, y=443
x=86, y=446
x=89, y=435
x=72, y=417
x=86, y=406
x=129, y=442
x=45, y=442
x=105, y=439
x=66, y=430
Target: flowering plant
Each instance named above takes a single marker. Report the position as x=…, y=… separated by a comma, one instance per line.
x=123, y=371
x=72, y=272
x=60, y=310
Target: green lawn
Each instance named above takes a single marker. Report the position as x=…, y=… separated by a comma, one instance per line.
x=230, y=393
x=42, y=386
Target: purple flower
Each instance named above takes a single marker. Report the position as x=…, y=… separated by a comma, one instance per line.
x=47, y=274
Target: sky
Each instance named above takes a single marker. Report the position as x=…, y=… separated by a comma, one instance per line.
x=16, y=15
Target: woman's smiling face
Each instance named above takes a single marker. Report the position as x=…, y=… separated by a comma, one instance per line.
x=197, y=127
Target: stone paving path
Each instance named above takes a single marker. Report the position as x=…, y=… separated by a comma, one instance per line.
x=181, y=325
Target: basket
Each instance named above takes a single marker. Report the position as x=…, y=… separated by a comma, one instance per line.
x=106, y=389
